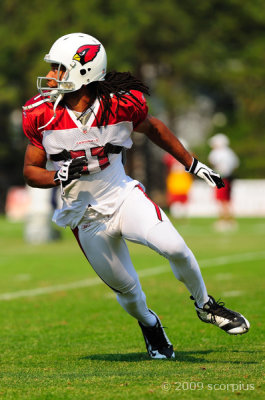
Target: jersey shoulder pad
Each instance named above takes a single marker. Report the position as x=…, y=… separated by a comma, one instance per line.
x=134, y=106
x=139, y=95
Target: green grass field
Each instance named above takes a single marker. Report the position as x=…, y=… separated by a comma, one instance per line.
x=64, y=336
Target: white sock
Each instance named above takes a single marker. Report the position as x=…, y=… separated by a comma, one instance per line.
x=134, y=303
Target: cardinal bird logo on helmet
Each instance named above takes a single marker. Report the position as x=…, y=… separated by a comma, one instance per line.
x=86, y=53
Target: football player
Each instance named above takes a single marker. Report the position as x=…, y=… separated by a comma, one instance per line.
x=82, y=120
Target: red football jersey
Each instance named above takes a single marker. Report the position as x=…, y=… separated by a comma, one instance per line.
x=106, y=184
x=36, y=117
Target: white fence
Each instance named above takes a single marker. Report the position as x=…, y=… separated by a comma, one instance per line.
x=248, y=199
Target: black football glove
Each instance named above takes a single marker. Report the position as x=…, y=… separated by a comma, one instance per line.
x=71, y=169
x=212, y=178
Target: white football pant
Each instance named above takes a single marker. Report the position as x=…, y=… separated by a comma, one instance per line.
x=139, y=220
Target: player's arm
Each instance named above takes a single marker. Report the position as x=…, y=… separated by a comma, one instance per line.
x=162, y=136
x=35, y=172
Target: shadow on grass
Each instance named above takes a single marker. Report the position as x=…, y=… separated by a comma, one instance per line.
x=180, y=356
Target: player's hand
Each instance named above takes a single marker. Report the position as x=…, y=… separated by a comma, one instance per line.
x=212, y=178
x=71, y=169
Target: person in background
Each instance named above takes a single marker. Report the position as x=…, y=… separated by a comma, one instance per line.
x=223, y=159
x=178, y=184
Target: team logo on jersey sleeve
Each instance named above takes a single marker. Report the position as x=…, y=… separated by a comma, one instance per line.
x=86, y=53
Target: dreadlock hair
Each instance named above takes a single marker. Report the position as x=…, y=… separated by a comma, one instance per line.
x=118, y=84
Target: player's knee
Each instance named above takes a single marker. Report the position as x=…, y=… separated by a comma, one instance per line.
x=165, y=239
x=176, y=251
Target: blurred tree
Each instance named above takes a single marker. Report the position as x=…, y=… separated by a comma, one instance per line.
x=181, y=49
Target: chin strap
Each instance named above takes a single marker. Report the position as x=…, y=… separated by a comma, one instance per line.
x=38, y=103
x=57, y=101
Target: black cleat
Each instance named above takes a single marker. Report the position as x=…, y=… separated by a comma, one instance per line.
x=214, y=312
x=157, y=343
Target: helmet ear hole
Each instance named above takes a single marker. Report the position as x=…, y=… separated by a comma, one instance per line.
x=82, y=71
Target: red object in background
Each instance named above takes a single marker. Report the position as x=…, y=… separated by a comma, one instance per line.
x=179, y=198
x=224, y=194
x=178, y=181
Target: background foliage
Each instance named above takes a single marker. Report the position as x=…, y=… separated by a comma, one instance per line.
x=210, y=48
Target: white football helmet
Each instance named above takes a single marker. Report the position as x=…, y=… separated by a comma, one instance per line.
x=84, y=59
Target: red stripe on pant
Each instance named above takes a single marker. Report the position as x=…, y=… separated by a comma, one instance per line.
x=158, y=211
x=75, y=232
